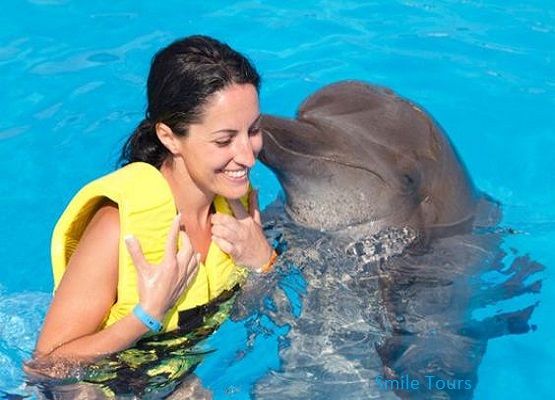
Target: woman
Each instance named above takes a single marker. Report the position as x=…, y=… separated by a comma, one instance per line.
x=119, y=272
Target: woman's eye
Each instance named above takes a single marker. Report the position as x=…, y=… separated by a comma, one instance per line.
x=255, y=130
x=223, y=142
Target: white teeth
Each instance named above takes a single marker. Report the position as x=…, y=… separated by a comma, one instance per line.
x=236, y=174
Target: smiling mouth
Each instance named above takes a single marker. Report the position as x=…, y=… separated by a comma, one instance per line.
x=236, y=174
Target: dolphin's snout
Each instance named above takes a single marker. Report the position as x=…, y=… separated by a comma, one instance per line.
x=262, y=155
x=355, y=151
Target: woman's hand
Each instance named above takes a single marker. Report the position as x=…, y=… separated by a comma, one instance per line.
x=88, y=290
x=160, y=286
x=242, y=236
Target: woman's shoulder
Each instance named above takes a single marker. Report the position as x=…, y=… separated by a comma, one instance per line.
x=106, y=219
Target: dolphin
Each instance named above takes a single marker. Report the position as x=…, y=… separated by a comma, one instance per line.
x=384, y=239
x=360, y=154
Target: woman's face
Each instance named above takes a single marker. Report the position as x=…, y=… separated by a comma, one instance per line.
x=219, y=151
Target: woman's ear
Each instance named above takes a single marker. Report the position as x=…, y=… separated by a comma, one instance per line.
x=167, y=137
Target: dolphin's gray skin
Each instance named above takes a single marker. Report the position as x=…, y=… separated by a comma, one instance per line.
x=366, y=174
x=358, y=153
x=353, y=324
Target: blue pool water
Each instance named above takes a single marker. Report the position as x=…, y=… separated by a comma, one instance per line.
x=72, y=87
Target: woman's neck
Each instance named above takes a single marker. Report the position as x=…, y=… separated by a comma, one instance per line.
x=195, y=206
x=188, y=197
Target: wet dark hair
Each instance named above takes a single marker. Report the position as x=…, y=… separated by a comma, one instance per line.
x=182, y=78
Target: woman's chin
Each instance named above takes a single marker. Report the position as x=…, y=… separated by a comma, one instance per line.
x=234, y=188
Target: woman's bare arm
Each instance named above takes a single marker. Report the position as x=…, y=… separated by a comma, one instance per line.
x=85, y=295
x=88, y=290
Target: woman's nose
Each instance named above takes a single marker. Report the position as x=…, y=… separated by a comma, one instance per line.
x=244, y=153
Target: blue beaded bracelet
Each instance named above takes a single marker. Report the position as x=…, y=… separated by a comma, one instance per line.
x=152, y=323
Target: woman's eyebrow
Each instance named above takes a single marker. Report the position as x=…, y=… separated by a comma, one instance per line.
x=225, y=130
x=234, y=131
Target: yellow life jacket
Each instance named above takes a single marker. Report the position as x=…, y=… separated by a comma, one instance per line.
x=146, y=209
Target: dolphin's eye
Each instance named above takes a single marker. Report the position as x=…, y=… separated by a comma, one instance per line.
x=408, y=180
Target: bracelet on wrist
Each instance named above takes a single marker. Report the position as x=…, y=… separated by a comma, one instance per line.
x=269, y=265
x=151, y=323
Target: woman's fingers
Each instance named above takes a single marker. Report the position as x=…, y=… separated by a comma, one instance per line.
x=171, y=243
x=229, y=231
x=223, y=244
x=185, y=253
x=254, y=210
x=160, y=286
x=241, y=236
x=187, y=259
x=136, y=252
x=223, y=219
x=238, y=209
x=192, y=269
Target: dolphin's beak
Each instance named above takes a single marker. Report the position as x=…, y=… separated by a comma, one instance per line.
x=270, y=143
x=261, y=153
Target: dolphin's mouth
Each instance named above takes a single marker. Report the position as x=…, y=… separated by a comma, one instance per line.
x=264, y=158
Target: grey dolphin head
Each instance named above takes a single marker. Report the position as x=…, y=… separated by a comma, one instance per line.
x=360, y=154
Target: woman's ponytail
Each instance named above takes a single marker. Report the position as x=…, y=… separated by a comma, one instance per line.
x=144, y=145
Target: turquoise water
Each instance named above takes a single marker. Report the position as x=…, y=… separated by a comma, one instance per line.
x=71, y=89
